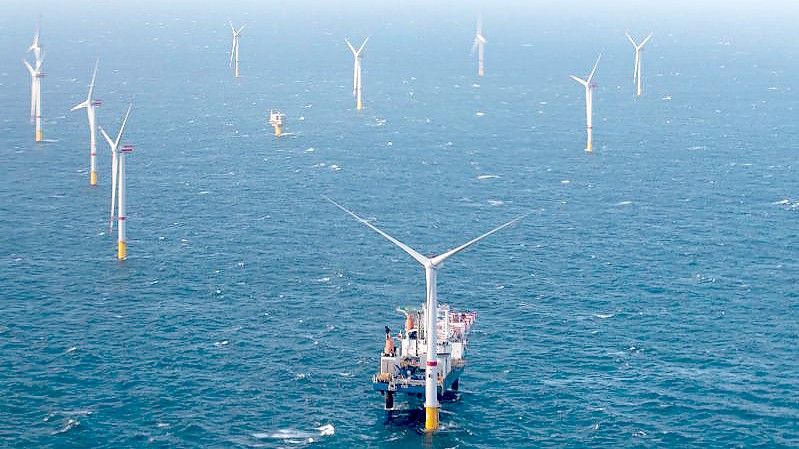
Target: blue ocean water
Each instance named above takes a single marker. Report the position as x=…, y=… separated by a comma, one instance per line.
x=650, y=299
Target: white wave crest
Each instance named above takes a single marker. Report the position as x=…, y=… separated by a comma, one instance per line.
x=295, y=434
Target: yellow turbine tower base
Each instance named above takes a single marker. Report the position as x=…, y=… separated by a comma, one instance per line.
x=39, y=135
x=93, y=178
x=589, y=148
x=359, y=105
x=122, y=250
x=430, y=419
x=278, y=130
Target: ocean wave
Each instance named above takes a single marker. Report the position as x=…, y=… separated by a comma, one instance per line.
x=296, y=435
x=69, y=424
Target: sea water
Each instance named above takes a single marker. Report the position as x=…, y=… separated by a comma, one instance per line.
x=649, y=299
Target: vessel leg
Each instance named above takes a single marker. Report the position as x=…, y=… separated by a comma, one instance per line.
x=389, y=400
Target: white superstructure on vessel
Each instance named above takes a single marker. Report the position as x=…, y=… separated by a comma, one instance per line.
x=402, y=367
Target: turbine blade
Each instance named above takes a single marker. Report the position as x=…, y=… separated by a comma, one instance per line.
x=629, y=38
x=33, y=99
x=355, y=76
x=114, y=178
x=645, y=41
x=354, y=52
x=358, y=78
x=591, y=75
x=474, y=46
x=363, y=45
x=85, y=104
x=122, y=129
x=107, y=138
x=438, y=260
x=241, y=29
x=232, y=28
x=94, y=76
x=30, y=68
x=37, y=98
x=419, y=258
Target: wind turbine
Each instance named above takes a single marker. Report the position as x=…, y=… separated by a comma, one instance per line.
x=234, y=50
x=36, y=93
x=479, y=45
x=90, y=105
x=431, y=265
x=118, y=186
x=357, y=87
x=589, y=104
x=637, y=69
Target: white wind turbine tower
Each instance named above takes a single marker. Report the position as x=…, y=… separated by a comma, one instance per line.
x=431, y=265
x=234, y=50
x=589, y=104
x=118, y=186
x=479, y=45
x=357, y=87
x=637, y=69
x=90, y=105
x=36, y=93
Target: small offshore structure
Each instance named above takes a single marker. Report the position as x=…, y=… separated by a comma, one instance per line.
x=479, y=45
x=357, y=86
x=403, y=371
x=637, y=69
x=36, y=84
x=118, y=186
x=234, y=49
x=90, y=105
x=276, y=120
x=589, y=105
x=433, y=378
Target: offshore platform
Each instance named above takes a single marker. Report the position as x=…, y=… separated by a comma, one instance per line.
x=402, y=367
x=276, y=120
